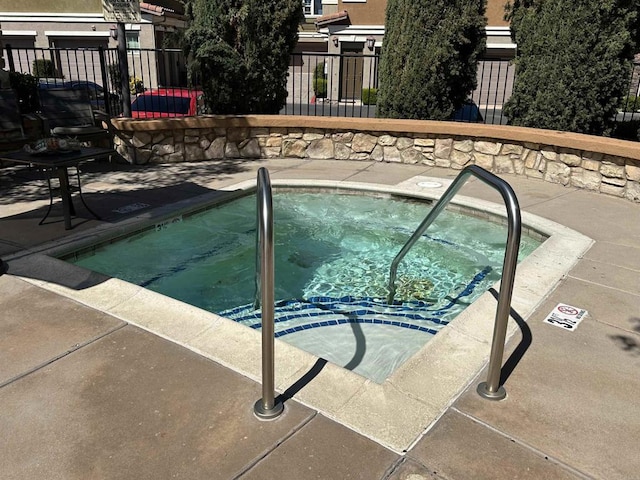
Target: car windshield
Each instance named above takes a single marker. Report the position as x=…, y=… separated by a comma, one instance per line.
x=161, y=104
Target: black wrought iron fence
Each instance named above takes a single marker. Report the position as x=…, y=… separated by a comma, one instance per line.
x=629, y=111
x=318, y=84
x=98, y=70
x=346, y=85
x=495, y=83
x=65, y=68
x=332, y=85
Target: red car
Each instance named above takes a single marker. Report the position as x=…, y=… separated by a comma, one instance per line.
x=167, y=102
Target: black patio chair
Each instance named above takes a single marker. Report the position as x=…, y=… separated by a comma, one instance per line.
x=11, y=128
x=68, y=113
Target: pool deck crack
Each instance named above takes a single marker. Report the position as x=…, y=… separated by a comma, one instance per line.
x=62, y=355
x=524, y=445
x=270, y=450
x=602, y=285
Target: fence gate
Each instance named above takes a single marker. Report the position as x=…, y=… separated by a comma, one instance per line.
x=351, y=75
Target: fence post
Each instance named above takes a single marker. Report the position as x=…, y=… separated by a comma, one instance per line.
x=12, y=66
x=105, y=84
x=124, y=71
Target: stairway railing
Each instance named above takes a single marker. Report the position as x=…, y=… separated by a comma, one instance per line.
x=266, y=408
x=491, y=389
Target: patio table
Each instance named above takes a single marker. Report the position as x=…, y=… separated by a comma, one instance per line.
x=60, y=161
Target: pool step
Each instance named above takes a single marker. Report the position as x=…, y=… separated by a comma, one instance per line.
x=295, y=315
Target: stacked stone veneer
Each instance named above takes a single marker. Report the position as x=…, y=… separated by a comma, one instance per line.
x=607, y=174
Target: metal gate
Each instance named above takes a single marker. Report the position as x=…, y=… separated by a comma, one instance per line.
x=351, y=75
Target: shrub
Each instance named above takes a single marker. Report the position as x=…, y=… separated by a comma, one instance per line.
x=135, y=85
x=320, y=81
x=630, y=103
x=629, y=130
x=44, y=68
x=573, y=63
x=26, y=88
x=241, y=50
x=114, y=76
x=429, y=57
x=320, y=87
x=369, y=96
x=318, y=71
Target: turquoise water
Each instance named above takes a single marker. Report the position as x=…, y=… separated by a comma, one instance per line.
x=332, y=254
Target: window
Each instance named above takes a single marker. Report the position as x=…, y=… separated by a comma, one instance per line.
x=312, y=7
x=133, y=40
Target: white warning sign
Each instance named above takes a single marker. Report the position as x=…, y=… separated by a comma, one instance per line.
x=566, y=316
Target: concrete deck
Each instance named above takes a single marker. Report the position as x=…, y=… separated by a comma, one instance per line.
x=84, y=394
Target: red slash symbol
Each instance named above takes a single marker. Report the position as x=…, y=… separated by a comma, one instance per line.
x=567, y=310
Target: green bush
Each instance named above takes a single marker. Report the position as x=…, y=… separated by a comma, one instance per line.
x=369, y=96
x=429, y=57
x=630, y=103
x=320, y=87
x=573, y=63
x=44, y=68
x=320, y=81
x=136, y=85
x=114, y=76
x=26, y=88
x=318, y=72
x=241, y=50
x=629, y=130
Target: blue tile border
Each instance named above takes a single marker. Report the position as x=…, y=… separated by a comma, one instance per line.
x=300, y=328
x=355, y=310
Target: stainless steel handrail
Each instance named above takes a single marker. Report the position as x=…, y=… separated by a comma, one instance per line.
x=266, y=408
x=491, y=389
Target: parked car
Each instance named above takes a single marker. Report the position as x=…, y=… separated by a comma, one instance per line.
x=167, y=102
x=96, y=92
x=468, y=112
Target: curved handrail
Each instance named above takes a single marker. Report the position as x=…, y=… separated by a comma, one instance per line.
x=266, y=408
x=490, y=389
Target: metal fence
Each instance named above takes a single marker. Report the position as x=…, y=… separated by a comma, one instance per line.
x=495, y=83
x=318, y=84
x=332, y=85
x=99, y=71
x=345, y=85
x=152, y=68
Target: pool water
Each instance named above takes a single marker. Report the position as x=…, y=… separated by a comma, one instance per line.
x=332, y=258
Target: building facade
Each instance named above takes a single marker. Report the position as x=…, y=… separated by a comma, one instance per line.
x=31, y=26
x=344, y=36
x=350, y=25
x=354, y=29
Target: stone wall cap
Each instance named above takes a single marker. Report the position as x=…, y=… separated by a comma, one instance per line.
x=499, y=133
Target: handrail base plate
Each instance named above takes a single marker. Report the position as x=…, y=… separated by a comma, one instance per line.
x=267, y=414
x=484, y=392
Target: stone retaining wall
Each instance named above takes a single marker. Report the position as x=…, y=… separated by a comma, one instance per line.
x=596, y=169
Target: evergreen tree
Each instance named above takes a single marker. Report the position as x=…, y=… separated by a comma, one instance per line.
x=429, y=57
x=573, y=62
x=240, y=51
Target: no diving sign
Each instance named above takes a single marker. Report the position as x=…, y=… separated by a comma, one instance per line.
x=566, y=316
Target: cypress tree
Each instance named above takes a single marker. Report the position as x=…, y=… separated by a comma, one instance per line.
x=240, y=51
x=573, y=62
x=429, y=57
